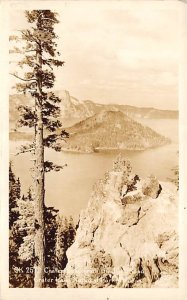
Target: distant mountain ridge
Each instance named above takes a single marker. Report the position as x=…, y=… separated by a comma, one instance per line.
x=74, y=110
x=111, y=130
x=133, y=111
x=81, y=109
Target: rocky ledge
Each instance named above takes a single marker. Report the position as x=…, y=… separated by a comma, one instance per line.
x=128, y=234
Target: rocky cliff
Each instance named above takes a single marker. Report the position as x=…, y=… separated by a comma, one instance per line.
x=127, y=235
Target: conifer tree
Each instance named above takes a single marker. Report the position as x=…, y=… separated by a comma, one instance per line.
x=16, y=235
x=59, y=236
x=14, y=195
x=39, y=50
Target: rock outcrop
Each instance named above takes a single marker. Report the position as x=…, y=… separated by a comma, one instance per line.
x=128, y=234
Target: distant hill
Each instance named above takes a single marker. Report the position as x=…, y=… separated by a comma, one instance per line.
x=74, y=110
x=110, y=130
x=133, y=111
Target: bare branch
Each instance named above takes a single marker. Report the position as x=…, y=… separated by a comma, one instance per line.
x=32, y=79
x=48, y=19
x=24, y=151
x=32, y=50
x=28, y=35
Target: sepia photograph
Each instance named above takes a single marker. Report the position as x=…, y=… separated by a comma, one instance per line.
x=93, y=149
x=94, y=183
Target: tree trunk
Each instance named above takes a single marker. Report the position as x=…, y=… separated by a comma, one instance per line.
x=39, y=189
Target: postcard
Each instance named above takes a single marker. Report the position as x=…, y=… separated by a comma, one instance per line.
x=93, y=135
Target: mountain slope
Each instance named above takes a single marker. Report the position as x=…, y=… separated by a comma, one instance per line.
x=74, y=110
x=133, y=111
x=109, y=130
x=120, y=242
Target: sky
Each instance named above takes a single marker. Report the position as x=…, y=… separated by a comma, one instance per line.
x=117, y=53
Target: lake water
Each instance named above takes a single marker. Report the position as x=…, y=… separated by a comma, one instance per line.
x=70, y=189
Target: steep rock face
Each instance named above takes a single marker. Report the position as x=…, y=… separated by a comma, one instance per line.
x=126, y=238
x=72, y=109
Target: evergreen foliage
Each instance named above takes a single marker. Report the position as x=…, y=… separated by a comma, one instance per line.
x=59, y=236
x=39, y=51
x=14, y=194
x=17, y=278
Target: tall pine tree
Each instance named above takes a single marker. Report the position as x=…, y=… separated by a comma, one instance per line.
x=39, y=59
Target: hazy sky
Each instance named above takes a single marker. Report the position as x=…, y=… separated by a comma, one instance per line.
x=116, y=53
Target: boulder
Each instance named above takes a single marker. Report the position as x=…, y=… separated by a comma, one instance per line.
x=151, y=187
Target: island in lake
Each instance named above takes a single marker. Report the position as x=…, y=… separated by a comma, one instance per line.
x=110, y=130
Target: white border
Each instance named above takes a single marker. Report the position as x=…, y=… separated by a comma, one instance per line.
x=84, y=294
